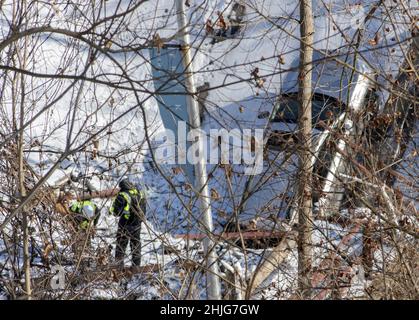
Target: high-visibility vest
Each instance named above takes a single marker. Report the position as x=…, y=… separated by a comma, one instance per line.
x=84, y=224
x=128, y=199
x=78, y=206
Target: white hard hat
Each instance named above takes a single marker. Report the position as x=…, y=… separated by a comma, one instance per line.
x=88, y=211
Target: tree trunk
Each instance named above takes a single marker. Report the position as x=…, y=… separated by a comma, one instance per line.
x=21, y=174
x=26, y=256
x=305, y=168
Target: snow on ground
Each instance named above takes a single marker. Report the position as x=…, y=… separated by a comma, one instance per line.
x=237, y=105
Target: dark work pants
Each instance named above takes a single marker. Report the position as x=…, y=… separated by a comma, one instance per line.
x=128, y=233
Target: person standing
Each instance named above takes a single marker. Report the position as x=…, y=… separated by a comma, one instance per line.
x=129, y=205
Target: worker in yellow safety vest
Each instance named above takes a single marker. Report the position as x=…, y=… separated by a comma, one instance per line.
x=130, y=206
x=85, y=216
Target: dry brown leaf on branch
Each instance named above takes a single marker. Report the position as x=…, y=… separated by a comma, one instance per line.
x=95, y=144
x=108, y=44
x=281, y=59
x=208, y=27
x=374, y=42
x=227, y=170
x=221, y=22
x=222, y=213
x=48, y=248
x=114, y=275
x=158, y=42
x=255, y=73
x=260, y=82
x=214, y=194
x=177, y=170
x=111, y=102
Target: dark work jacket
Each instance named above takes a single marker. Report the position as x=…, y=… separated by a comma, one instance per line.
x=137, y=209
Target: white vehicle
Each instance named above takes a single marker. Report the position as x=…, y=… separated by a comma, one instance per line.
x=339, y=96
x=343, y=99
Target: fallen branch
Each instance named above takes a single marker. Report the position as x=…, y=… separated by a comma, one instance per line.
x=271, y=263
x=235, y=235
